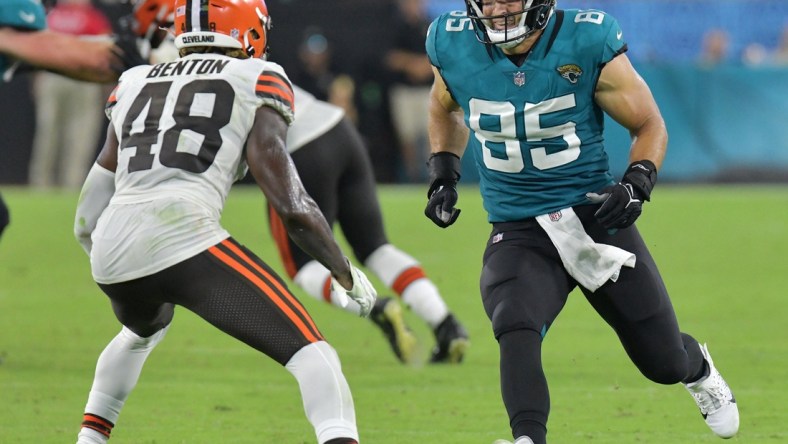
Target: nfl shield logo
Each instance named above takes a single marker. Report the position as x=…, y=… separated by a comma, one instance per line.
x=556, y=216
x=519, y=78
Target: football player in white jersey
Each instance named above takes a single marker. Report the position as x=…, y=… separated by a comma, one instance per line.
x=334, y=165
x=336, y=171
x=180, y=134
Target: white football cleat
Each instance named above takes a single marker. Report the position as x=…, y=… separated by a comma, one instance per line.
x=715, y=400
x=520, y=440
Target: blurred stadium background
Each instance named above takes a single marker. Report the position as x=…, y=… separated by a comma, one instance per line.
x=726, y=119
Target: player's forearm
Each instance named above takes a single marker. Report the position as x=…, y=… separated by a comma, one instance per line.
x=447, y=130
x=649, y=141
x=71, y=56
x=311, y=233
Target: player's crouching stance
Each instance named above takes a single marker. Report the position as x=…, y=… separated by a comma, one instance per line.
x=525, y=87
x=180, y=134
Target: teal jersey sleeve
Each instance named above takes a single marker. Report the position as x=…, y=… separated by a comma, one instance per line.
x=536, y=132
x=600, y=33
x=24, y=15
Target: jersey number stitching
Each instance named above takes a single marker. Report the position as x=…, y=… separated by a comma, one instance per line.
x=511, y=161
x=152, y=98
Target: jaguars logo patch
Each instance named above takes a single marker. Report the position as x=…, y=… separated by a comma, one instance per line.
x=570, y=72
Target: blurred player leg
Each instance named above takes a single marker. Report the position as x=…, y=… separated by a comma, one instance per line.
x=5, y=215
x=361, y=220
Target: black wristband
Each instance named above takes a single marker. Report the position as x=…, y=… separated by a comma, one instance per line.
x=444, y=169
x=642, y=175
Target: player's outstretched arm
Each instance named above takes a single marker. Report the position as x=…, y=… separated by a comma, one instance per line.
x=273, y=169
x=91, y=60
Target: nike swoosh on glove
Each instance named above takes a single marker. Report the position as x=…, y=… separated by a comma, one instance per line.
x=620, y=208
x=622, y=203
x=363, y=293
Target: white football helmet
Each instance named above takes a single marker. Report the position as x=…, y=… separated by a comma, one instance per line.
x=531, y=17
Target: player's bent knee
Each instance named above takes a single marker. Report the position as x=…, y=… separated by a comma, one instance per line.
x=666, y=370
x=138, y=342
x=510, y=315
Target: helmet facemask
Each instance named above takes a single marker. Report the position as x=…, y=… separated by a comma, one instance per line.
x=532, y=17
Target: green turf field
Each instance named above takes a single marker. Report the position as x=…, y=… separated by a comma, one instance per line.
x=722, y=252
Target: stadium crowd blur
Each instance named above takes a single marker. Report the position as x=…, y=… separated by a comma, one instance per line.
x=705, y=58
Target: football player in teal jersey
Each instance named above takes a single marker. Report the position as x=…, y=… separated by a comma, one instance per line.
x=524, y=88
x=25, y=39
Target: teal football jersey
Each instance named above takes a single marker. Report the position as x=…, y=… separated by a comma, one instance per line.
x=20, y=14
x=535, y=130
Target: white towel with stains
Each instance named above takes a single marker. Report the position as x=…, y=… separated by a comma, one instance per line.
x=589, y=263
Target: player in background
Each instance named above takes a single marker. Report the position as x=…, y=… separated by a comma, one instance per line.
x=335, y=169
x=334, y=165
x=25, y=44
x=530, y=85
x=180, y=134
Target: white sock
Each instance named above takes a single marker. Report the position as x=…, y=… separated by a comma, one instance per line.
x=315, y=280
x=90, y=436
x=523, y=440
x=403, y=274
x=117, y=371
x=328, y=402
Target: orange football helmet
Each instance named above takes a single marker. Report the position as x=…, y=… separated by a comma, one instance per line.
x=150, y=17
x=242, y=24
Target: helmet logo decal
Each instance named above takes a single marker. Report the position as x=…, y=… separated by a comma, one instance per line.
x=519, y=78
x=235, y=33
x=570, y=72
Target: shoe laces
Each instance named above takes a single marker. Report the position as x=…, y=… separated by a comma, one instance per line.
x=712, y=394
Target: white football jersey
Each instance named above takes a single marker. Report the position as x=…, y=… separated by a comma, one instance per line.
x=313, y=118
x=182, y=128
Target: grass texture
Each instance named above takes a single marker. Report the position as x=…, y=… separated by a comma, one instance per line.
x=721, y=250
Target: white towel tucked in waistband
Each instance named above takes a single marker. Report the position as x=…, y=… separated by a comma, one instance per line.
x=590, y=263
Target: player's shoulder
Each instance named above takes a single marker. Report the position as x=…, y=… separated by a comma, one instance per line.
x=451, y=25
x=589, y=23
x=274, y=88
x=22, y=14
x=449, y=34
x=592, y=33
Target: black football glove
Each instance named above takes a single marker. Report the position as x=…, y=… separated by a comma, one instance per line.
x=444, y=169
x=622, y=203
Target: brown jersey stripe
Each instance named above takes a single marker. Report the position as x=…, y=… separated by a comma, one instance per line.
x=98, y=424
x=282, y=240
x=270, y=78
x=280, y=298
x=274, y=79
x=406, y=278
x=275, y=93
x=294, y=303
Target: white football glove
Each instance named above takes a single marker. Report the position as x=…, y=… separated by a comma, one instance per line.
x=362, y=292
